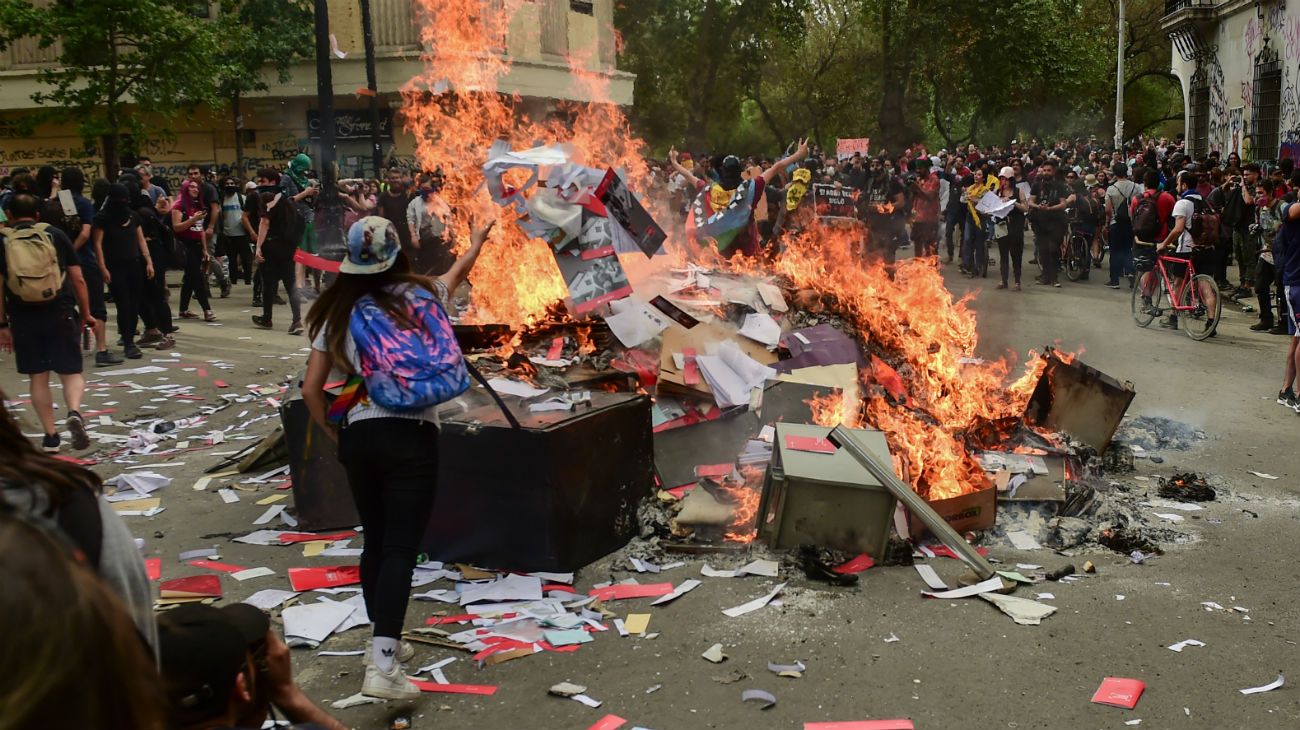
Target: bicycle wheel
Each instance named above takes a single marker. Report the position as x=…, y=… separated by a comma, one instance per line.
x=1148, y=295
x=1207, y=305
x=1075, y=266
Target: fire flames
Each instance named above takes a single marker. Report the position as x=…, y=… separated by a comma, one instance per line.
x=456, y=113
x=908, y=318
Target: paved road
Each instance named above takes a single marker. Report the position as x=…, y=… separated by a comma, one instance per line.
x=956, y=664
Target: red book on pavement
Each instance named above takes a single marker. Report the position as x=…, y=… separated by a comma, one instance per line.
x=309, y=579
x=1119, y=692
x=646, y=590
x=456, y=689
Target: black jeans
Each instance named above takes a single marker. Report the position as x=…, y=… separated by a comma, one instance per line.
x=194, y=283
x=1011, y=246
x=276, y=271
x=156, y=312
x=1266, y=275
x=1047, y=241
x=127, y=284
x=239, y=255
x=392, y=466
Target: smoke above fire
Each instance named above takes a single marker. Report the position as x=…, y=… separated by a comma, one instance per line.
x=910, y=321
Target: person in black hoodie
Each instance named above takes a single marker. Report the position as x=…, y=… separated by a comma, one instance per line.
x=124, y=260
x=154, y=309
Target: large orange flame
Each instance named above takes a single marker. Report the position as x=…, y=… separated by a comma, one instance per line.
x=911, y=320
x=912, y=317
x=456, y=113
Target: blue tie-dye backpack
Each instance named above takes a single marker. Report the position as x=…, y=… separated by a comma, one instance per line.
x=408, y=369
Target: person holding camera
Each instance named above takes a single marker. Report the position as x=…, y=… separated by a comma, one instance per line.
x=225, y=668
x=1238, y=216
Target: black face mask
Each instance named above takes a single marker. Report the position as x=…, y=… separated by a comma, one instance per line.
x=231, y=190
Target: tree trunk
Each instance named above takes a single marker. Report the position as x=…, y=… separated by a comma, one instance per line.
x=238, y=120
x=895, y=78
x=110, y=143
x=704, y=79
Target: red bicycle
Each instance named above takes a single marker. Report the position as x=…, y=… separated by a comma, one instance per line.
x=1193, y=298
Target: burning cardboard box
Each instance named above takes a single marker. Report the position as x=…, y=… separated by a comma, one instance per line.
x=1079, y=400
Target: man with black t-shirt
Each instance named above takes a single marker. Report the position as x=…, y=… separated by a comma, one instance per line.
x=880, y=206
x=1048, y=200
x=268, y=181
x=393, y=203
x=46, y=336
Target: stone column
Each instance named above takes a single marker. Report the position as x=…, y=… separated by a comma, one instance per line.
x=555, y=29
x=604, y=12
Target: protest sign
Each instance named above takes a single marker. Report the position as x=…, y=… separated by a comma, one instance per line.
x=833, y=201
x=845, y=148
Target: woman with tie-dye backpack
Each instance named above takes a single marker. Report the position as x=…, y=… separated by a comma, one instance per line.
x=385, y=328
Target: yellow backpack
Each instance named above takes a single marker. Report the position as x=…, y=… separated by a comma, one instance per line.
x=32, y=261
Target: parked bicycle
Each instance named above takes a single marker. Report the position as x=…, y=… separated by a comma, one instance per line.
x=1193, y=298
x=1076, y=255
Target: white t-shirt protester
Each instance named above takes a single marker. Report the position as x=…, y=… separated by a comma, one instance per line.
x=1184, y=209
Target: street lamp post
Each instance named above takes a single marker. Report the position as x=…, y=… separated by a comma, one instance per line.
x=1119, y=83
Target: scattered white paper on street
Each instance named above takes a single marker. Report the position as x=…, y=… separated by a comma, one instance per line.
x=584, y=699
x=1184, y=644
x=1262, y=475
x=228, y=495
x=271, y=513
x=633, y=322
x=710, y=572
x=511, y=588
x=268, y=598
x=252, y=573
x=1021, y=610
x=136, y=484
x=314, y=622
x=765, y=568
x=755, y=604
x=686, y=586
x=930, y=577
x=992, y=584
x=436, y=665
x=1168, y=516
x=354, y=652
x=1264, y=688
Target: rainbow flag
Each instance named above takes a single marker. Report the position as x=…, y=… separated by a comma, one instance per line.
x=353, y=391
x=721, y=226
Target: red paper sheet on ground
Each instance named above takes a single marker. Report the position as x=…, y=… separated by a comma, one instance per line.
x=646, y=590
x=855, y=565
x=608, y=722
x=315, y=262
x=1119, y=692
x=815, y=444
x=221, y=384
x=943, y=551
x=455, y=689
x=193, y=586
x=438, y=620
x=309, y=579
x=862, y=725
x=75, y=460
x=290, y=538
x=691, y=373
x=153, y=568
x=212, y=565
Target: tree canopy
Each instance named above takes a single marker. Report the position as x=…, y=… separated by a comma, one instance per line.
x=753, y=74
x=132, y=66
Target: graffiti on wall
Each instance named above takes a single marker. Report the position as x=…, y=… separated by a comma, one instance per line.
x=1217, y=123
x=1280, y=31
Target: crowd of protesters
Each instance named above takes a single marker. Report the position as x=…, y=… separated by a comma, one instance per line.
x=119, y=243
x=1080, y=200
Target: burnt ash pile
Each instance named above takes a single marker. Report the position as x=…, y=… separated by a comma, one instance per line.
x=1154, y=434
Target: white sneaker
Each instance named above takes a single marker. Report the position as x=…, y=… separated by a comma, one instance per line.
x=405, y=652
x=391, y=685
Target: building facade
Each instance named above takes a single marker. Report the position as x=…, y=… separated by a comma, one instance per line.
x=277, y=124
x=1239, y=64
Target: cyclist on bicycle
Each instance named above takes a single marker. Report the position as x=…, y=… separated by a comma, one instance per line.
x=1085, y=219
x=1180, y=236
